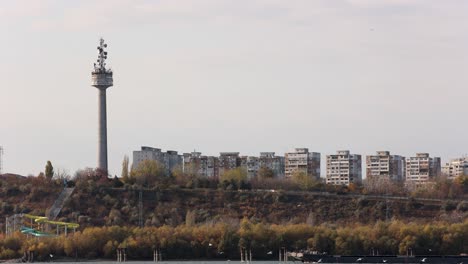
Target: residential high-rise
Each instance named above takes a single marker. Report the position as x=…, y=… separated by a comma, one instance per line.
x=228, y=161
x=455, y=168
x=102, y=79
x=385, y=166
x=343, y=168
x=251, y=164
x=267, y=160
x=422, y=168
x=302, y=160
x=205, y=166
x=169, y=159
x=275, y=163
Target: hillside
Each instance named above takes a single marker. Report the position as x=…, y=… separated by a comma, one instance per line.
x=98, y=203
x=26, y=194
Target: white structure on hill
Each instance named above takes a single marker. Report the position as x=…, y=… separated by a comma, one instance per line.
x=302, y=160
x=197, y=164
x=455, y=168
x=385, y=166
x=422, y=168
x=170, y=159
x=343, y=168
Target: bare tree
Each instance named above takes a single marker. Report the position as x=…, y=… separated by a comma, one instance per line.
x=125, y=173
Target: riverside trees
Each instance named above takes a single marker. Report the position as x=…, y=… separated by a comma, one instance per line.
x=222, y=240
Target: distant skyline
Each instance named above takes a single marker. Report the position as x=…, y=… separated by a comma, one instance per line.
x=245, y=76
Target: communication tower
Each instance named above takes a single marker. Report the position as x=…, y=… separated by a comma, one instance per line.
x=1, y=160
x=102, y=79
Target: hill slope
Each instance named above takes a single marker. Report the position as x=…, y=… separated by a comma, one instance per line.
x=94, y=204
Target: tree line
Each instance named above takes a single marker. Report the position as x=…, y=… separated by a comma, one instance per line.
x=221, y=240
x=150, y=173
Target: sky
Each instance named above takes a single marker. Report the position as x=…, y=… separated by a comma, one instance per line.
x=232, y=75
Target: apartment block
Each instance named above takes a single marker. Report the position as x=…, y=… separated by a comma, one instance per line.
x=422, y=168
x=251, y=164
x=229, y=161
x=169, y=159
x=274, y=163
x=266, y=160
x=302, y=160
x=455, y=168
x=205, y=166
x=343, y=168
x=385, y=166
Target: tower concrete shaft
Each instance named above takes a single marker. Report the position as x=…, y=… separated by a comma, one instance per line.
x=102, y=136
x=102, y=79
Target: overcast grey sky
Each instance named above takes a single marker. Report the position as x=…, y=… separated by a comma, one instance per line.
x=245, y=76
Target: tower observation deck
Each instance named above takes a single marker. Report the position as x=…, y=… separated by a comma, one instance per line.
x=101, y=78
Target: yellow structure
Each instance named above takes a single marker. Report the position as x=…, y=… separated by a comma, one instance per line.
x=41, y=220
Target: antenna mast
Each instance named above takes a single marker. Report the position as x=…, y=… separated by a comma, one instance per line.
x=101, y=78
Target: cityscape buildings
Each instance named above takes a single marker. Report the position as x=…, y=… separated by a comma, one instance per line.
x=385, y=166
x=169, y=159
x=251, y=165
x=197, y=164
x=228, y=161
x=343, y=168
x=302, y=160
x=456, y=168
x=274, y=163
x=422, y=168
x=266, y=160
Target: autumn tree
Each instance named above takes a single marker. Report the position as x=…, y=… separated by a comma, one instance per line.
x=462, y=181
x=237, y=177
x=305, y=181
x=265, y=173
x=186, y=177
x=245, y=233
x=149, y=173
x=49, y=170
x=125, y=173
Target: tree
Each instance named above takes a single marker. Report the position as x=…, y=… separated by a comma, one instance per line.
x=149, y=173
x=265, y=173
x=462, y=181
x=62, y=176
x=125, y=169
x=185, y=177
x=304, y=181
x=49, y=170
x=237, y=175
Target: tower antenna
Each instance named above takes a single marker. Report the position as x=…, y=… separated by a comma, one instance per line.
x=101, y=78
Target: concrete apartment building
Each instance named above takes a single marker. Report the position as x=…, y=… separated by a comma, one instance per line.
x=170, y=159
x=266, y=160
x=385, y=166
x=274, y=163
x=422, y=168
x=213, y=167
x=251, y=164
x=302, y=160
x=343, y=168
x=205, y=166
x=228, y=161
x=455, y=168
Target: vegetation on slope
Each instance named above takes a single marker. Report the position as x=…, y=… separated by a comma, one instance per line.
x=183, y=214
x=223, y=239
